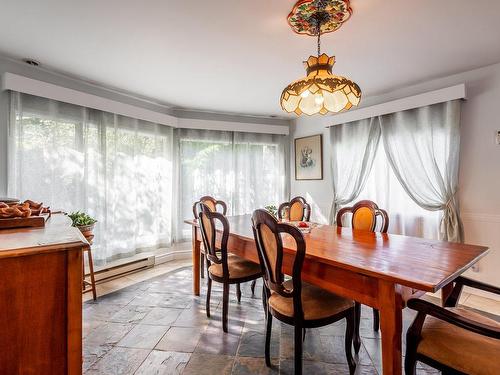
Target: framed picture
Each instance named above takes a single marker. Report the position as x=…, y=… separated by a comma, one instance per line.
x=309, y=158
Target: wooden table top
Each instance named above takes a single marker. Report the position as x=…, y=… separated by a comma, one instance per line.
x=27, y=241
x=418, y=263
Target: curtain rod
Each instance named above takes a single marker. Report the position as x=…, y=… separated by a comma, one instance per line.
x=398, y=105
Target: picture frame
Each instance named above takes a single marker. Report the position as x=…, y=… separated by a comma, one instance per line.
x=309, y=157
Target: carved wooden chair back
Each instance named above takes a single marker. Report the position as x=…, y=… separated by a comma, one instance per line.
x=212, y=204
x=298, y=210
x=267, y=233
x=208, y=220
x=364, y=216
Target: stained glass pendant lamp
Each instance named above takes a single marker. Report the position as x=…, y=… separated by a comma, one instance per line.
x=320, y=91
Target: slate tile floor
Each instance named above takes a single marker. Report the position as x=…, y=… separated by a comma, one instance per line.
x=158, y=327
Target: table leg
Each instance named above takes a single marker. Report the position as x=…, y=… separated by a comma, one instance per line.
x=196, y=262
x=391, y=324
x=445, y=292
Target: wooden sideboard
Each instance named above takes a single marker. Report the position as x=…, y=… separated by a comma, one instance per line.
x=41, y=299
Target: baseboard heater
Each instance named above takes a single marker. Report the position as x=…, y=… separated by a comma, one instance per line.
x=123, y=269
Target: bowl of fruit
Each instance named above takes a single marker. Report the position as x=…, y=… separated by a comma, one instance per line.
x=303, y=226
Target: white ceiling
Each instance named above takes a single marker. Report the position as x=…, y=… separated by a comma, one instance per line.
x=237, y=55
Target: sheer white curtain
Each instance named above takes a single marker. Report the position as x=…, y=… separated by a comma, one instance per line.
x=422, y=146
x=245, y=170
x=353, y=148
x=415, y=169
x=117, y=169
x=405, y=216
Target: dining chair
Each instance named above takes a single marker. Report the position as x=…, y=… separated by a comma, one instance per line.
x=293, y=301
x=212, y=204
x=298, y=210
x=364, y=217
x=222, y=267
x=453, y=339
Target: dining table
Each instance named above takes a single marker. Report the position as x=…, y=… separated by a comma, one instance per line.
x=380, y=270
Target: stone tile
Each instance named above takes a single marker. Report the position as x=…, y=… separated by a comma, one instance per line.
x=366, y=329
x=252, y=344
x=100, y=311
x=180, y=339
x=161, y=300
x=374, y=349
x=100, y=341
x=314, y=367
x=163, y=363
x=209, y=364
x=130, y=314
x=335, y=329
x=89, y=325
x=115, y=330
x=143, y=336
x=109, y=333
x=365, y=370
x=163, y=316
x=120, y=297
x=119, y=361
x=254, y=366
x=192, y=317
x=328, y=349
x=423, y=368
x=169, y=285
x=215, y=341
x=93, y=353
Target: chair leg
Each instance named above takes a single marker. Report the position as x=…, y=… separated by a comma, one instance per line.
x=225, y=302
x=253, y=286
x=238, y=292
x=349, y=333
x=209, y=291
x=202, y=265
x=264, y=298
x=357, y=321
x=410, y=364
x=269, y=326
x=376, y=320
x=92, y=278
x=298, y=350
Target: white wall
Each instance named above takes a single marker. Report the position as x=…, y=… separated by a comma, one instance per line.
x=479, y=190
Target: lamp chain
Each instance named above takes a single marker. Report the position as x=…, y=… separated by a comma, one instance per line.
x=319, y=39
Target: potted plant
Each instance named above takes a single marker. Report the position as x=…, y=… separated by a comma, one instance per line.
x=83, y=222
x=273, y=210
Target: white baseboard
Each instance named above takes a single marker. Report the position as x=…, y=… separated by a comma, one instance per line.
x=172, y=255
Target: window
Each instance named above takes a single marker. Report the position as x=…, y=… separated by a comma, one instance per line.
x=138, y=179
x=245, y=170
x=405, y=216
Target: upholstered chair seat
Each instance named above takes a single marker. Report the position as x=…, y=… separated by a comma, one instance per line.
x=317, y=303
x=458, y=348
x=238, y=268
x=453, y=339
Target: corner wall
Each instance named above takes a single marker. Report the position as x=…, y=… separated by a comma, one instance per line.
x=479, y=183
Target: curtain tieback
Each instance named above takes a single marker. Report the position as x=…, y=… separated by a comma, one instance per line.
x=449, y=202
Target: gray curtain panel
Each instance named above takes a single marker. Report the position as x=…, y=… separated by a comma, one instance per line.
x=422, y=146
x=353, y=147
